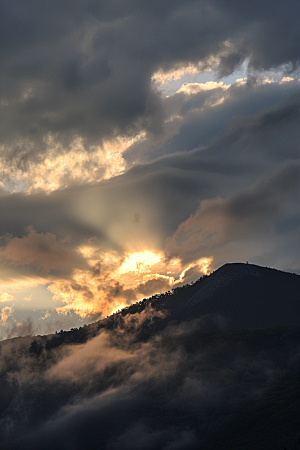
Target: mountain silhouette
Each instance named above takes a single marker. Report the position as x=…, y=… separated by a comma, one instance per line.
x=214, y=365
x=234, y=296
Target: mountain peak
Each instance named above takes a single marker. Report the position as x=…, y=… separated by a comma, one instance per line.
x=237, y=295
x=222, y=277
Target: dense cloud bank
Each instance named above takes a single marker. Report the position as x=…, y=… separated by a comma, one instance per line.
x=76, y=73
x=84, y=68
x=169, y=392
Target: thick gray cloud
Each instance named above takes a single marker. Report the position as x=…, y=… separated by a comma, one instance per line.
x=226, y=117
x=250, y=223
x=41, y=255
x=84, y=68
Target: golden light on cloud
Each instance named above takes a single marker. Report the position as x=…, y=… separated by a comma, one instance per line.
x=86, y=251
x=157, y=276
x=114, y=282
x=164, y=76
x=89, y=280
x=287, y=79
x=17, y=284
x=60, y=167
x=139, y=262
x=194, y=88
x=5, y=313
x=204, y=265
x=6, y=297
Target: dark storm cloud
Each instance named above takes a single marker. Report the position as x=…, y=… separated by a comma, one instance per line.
x=207, y=116
x=84, y=68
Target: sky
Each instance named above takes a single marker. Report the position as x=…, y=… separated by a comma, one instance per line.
x=142, y=145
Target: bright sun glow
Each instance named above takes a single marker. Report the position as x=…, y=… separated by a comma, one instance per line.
x=113, y=282
x=139, y=262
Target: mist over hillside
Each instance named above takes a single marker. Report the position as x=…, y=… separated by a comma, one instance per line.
x=212, y=365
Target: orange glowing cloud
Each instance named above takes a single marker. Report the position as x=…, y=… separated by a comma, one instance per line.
x=139, y=262
x=6, y=297
x=5, y=313
x=114, y=282
x=89, y=280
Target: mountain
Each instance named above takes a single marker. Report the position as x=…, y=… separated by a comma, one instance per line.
x=212, y=365
x=234, y=296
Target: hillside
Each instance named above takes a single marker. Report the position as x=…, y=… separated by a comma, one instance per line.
x=176, y=371
x=233, y=297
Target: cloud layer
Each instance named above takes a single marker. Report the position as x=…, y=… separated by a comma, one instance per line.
x=83, y=70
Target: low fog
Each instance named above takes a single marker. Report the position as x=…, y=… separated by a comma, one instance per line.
x=118, y=390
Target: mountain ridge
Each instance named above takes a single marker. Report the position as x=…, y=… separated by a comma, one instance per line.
x=224, y=299
x=165, y=373
x=236, y=295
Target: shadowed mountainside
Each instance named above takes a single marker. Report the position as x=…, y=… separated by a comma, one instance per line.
x=234, y=296
x=176, y=371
